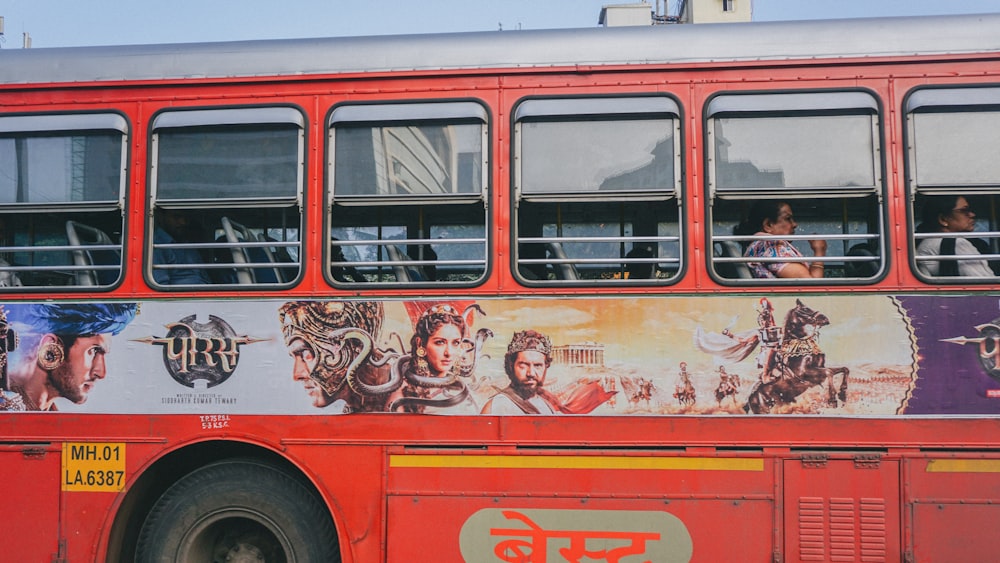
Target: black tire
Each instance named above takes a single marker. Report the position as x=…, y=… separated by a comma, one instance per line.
x=236, y=511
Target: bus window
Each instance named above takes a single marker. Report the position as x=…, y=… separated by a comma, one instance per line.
x=953, y=175
x=61, y=199
x=408, y=193
x=597, y=186
x=795, y=187
x=226, y=191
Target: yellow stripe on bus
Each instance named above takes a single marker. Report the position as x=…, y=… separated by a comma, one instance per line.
x=963, y=466
x=576, y=462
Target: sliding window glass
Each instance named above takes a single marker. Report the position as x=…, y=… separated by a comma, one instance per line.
x=227, y=186
x=953, y=175
x=597, y=186
x=795, y=191
x=407, y=199
x=61, y=200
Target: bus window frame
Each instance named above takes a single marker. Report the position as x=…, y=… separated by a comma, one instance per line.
x=944, y=99
x=407, y=270
x=797, y=103
x=216, y=119
x=594, y=108
x=57, y=124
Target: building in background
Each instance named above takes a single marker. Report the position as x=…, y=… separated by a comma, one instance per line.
x=715, y=11
x=584, y=354
x=686, y=11
x=640, y=13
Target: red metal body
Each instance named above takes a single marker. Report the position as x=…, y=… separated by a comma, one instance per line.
x=777, y=488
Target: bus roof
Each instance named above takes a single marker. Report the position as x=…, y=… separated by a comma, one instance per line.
x=665, y=44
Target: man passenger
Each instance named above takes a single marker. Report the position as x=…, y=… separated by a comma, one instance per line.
x=173, y=226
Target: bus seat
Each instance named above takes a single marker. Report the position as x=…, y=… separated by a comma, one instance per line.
x=235, y=234
x=864, y=268
x=268, y=275
x=404, y=273
x=272, y=255
x=738, y=270
x=8, y=278
x=82, y=235
x=286, y=268
x=564, y=270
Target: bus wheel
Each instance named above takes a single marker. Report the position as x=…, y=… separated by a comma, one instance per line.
x=238, y=511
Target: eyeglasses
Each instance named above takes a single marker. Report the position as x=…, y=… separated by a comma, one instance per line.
x=967, y=211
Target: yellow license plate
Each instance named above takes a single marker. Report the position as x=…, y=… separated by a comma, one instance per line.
x=93, y=466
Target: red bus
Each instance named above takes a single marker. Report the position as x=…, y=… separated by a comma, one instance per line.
x=685, y=293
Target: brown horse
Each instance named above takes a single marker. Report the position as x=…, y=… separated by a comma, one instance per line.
x=685, y=394
x=803, y=365
x=725, y=389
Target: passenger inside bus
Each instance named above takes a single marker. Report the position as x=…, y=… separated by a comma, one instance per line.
x=639, y=270
x=424, y=253
x=339, y=268
x=175, y=226
x=775, y=218
x=951, y=214
x=7, y=277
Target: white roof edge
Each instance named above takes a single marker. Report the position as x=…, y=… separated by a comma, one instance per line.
x=666, y=44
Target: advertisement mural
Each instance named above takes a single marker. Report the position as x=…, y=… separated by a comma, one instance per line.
x=742, y=355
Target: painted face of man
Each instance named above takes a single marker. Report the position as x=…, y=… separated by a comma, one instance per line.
x=306, y=362
x=83, y=367
x=528, y=375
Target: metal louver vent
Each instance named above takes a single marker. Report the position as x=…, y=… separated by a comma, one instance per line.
x=842, y=529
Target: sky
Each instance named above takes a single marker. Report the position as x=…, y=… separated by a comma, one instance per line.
x=65, y=23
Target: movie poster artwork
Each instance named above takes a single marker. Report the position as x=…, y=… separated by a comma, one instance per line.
x=831, y=355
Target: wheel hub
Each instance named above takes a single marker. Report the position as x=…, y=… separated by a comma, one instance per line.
x=243, y=552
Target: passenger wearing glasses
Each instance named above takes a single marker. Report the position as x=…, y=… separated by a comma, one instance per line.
x=774, y=218
x=950, y=214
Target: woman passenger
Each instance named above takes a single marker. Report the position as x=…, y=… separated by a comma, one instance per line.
x=432, y=370
x=950, y=214
x=774, y=218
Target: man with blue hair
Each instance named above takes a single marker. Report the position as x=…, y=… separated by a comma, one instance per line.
x=61, y=349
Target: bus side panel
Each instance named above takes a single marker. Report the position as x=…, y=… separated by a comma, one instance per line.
x=30, y=502
x=954, y=503
x=841, y=509
x=351, y=477
x=639, y=508
x=464, y=529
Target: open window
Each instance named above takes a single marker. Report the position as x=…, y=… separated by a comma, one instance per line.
x=819, y=153
x=407, y=196
x=597, y=190
x=227, y=187
x=61, y=200
x=953, y=176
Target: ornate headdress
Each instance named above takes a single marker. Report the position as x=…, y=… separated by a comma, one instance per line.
x=530, y=341
x=315, y=322
x=316, y=319
x=433, y=317
x=71, y=318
